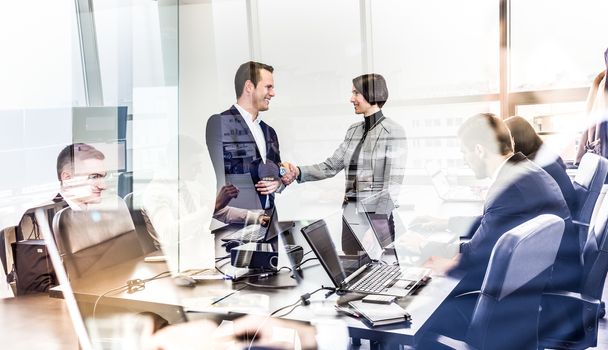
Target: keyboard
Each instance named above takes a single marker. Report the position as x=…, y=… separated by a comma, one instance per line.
x=377, y=279
x=251, y=233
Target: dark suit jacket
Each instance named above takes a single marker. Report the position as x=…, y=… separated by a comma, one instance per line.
x=233, y=149
x=522, y=191
x=557, y=170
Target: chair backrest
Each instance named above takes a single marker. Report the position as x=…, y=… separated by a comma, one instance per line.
x=588, y=184
x=92, y=240
x=507, y=309
x=595, y=254
x=125, y=183
x=147, y=239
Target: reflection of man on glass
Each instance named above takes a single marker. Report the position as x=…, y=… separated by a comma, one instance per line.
x=82, y=172
x=244, y=149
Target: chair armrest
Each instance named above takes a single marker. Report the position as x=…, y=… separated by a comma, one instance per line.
x=580, y=223
x=449, y=342
x=574, y=296
x=474, y=293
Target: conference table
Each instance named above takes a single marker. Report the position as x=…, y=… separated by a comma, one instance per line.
x=224, y=299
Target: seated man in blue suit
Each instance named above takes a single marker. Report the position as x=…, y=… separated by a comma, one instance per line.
x=520, y=191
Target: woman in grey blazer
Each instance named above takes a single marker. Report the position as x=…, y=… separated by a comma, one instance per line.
x=373, y=153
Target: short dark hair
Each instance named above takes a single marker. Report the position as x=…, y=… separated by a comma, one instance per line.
x=373, y=88
x=525, y=138
x=476, y=130
x=79, y=151
x=249, y=71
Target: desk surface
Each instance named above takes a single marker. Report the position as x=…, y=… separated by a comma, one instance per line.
x=164, y=297
x=36, y=322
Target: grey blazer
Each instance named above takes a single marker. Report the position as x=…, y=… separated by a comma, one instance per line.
x=381, y=163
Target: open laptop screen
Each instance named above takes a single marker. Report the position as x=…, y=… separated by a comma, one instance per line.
x=336, y=247
x=381, y=226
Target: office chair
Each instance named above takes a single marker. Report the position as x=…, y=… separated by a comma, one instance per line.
x=505, y=315
x=588, y=184
x=585, y=307
x=125, y=183
x=92, y=240
x=148, y=240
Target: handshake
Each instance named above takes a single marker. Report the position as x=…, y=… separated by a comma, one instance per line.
x=289, y=173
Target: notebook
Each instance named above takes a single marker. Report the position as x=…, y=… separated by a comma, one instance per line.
x=380, y=314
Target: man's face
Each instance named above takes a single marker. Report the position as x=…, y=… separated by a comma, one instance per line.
x=474, y=161
x=87, y=182
x=263, y=91
x=361, y=105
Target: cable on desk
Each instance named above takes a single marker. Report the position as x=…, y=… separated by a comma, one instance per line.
x=131, y=286
x=222, y=272
x=226, y=296
x=222, y=258
x=303, y=262
x=304, y=300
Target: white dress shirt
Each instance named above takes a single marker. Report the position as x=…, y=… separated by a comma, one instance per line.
x=256, y=130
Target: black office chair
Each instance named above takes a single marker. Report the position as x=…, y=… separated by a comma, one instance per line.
x=586, y=305
x=92, y=240
x=147, y=239
x=507, y=308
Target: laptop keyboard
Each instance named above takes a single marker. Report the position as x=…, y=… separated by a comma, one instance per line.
x=251, y=233
x=377, y=279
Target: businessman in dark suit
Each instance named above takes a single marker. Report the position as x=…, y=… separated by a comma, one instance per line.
x=239, y=142
x=520, y=191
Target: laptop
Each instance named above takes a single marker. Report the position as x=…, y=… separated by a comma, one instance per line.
x=259, y=233
x=450, y=193
x=350, y=267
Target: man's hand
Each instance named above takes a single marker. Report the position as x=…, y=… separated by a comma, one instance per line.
x=428, y=224
x=441, y=266
x=292, y=173
x=226, y=194
x=274, y=333
x=266, y=187
x=263, y=220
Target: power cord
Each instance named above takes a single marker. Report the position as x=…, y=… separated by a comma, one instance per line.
x=304, y=300
x=131, y=286
x=303, y=262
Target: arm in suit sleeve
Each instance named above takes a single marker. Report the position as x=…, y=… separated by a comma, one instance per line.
x=394, y=165
x=499, y=217
x=331, y=166
x=213, y=138
x=275, y=155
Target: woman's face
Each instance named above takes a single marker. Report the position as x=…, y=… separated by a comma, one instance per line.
x=359, y=102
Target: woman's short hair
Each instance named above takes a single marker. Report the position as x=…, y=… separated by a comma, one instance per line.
x=372, y=87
